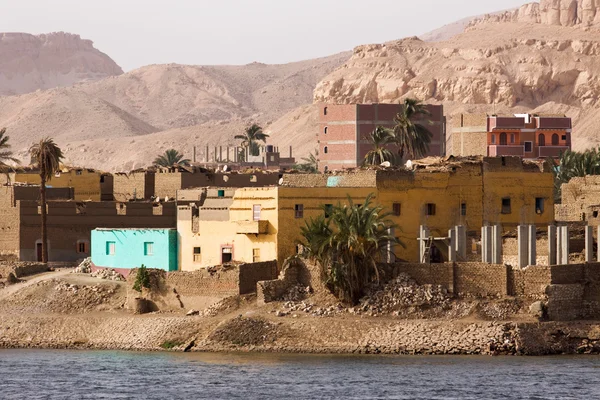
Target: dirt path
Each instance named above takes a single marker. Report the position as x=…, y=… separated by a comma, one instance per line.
x=12, y=289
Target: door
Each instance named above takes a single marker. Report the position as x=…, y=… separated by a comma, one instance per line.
x=226, y=254
x=38, y=248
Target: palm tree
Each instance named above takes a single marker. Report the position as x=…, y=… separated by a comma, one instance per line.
x=251, y=138
x=412, y=137
x=47, y=155
x=379, y=139
x=5, y=153
x=310, y=163
x=348, y=245
x=171, y=158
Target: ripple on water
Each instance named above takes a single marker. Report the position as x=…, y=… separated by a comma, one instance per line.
x=41, y=374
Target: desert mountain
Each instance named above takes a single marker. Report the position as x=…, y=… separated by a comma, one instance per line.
x=123, y=122
x=501, y=66
x=32, y=62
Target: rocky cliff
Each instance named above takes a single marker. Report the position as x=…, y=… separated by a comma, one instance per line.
x=32, y=62
x=551, y=12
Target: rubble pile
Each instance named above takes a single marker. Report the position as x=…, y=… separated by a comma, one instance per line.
x=109, y=274
x=85, y=267
x=403, y=296
x=290, y=307
x=296, y=293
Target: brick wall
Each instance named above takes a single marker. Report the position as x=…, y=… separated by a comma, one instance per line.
x=478, y=279
x=251, y=274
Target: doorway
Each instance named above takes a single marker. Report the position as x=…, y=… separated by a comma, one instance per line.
x=38, y=250
x=226, y=254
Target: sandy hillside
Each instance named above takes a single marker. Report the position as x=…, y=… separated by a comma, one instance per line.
x=32, y=62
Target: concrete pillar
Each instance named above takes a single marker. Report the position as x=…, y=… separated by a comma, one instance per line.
x=423, y=249
x=523, y=236
x=290, y=151
x=486, y=244
x=220, y=153
x=551, y=245
x=497, y=244
x=215, y=155
x=452, y=245
x=228, y=159
x=563, y=245
x=461, y=242
x=206, y=156
x=589, y=244
x=532, y=246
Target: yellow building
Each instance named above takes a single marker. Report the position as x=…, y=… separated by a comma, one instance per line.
x=438, y=194
x=88, y=184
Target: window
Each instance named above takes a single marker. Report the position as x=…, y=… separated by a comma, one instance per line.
x=564, y=137
x=506, y=205
x=396, y=209
x=101, y=178
x=325, y=149
x=272, y=158
x=110, y=248
x=595, y=214
x=463, y=209
x=57, y=175
x=539, y=205
x=148, y=248
x=81, y=248
x=541, y=140
x=256, y=212
x=325, y=111
x=221, y=193
x=325, y=131
x=493, y=139
x=555, y=140
x=299, y=210
x=255, y=255
x=226, y=254
x=78, y=172
x=197, y=254
x=512, y=138
x=430, y=209
x=528, y=147
x=328, y=210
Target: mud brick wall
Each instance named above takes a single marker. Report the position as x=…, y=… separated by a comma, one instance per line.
x=427, y=274
x=272, y=290
x=478, y=279
x=565, y=302
x=251, y=274
x=530, y=282
x=568, y=274
x=21, y=269
x=205, y=283
x=9, y=222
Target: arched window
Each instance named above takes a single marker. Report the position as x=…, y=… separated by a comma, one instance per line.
x=541, y=140
x=325, y=130
x=555, y=140
x=325, y=149
x=503, y=141
x=512, y=138
x=325, y=111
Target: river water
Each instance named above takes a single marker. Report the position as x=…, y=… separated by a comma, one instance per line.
x=50, y=374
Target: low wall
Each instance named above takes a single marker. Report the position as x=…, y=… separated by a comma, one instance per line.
x=222, y=281
x=21, y=269
x=295, y=272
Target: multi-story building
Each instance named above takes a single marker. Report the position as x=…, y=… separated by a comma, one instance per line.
x=344, y=130
x=262, y=224
x=521, y=135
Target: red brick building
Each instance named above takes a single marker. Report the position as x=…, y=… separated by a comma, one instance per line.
x=343, y=131
x=528, y=136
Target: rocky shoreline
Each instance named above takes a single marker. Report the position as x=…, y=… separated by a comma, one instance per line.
x=334, y=335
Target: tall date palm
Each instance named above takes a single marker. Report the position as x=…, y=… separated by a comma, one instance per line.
x=411, y=136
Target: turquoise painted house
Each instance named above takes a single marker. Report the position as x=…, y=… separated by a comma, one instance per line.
x=130, y=248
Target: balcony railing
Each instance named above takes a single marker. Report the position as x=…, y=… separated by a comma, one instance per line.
x=506, y=150
x=252, y=227
x=552, y=151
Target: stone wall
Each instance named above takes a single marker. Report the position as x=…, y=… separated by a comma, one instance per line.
x=295, y=272
x=481, y=280
x=251, y=274
x=21, y=268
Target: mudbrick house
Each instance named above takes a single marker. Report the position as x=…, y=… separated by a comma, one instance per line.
x=344, y=129
x=521, y=135
x=218, y=225
x=70, y=222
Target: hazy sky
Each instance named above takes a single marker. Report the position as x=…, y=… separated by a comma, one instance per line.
x=140, y=32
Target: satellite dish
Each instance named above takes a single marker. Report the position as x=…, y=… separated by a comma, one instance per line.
x=409, y=164
x=166, y=198
x=157, y=199
x=385, y=164
x=280, y=181
x=225, y=168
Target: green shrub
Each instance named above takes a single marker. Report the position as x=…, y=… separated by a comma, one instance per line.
x=142, y=279
x=169, y=344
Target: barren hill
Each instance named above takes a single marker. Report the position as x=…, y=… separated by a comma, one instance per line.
x=504, y=65
x=30, y=62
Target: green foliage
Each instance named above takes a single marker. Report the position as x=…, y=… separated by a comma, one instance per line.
x=5, y=153
x=170, y=344
x=380, y=138
x=47, y=156
x=171, y=158
x=348, y=245
x=413, y=138
x=251, y=138
x=142, y=279
x=573, y=164
x=310, y=163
